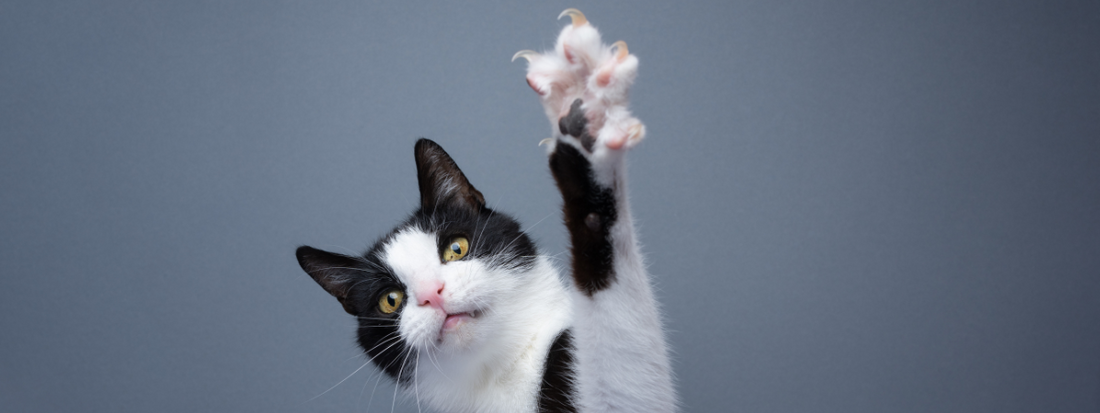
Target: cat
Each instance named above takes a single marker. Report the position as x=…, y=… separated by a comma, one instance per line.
x=457, y=305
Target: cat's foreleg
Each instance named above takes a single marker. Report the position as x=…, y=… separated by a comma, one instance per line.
x=622, y=361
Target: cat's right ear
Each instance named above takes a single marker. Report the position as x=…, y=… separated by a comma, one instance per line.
x=441, y=182
x=332, y=271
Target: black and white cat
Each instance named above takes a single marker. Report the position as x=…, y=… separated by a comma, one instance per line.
x=457, y=305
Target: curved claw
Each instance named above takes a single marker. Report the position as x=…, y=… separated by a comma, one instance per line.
x=621, y=51
x=575, y=15
x=526, y=54
x=635, y=133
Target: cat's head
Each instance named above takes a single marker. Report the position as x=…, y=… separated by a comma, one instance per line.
x=448, y=279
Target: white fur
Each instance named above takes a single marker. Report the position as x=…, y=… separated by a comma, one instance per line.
x=573, y=70
x=494, y=362
x=622, y=359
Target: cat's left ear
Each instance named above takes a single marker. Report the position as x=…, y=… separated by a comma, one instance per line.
x=441, y=182
x=334, y=272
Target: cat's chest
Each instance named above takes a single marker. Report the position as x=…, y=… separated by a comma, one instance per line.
x=505, y=385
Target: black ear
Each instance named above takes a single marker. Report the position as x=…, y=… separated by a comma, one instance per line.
x=333, y=271
x=441, y=182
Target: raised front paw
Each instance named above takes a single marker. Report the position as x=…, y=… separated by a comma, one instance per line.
x=584, y=86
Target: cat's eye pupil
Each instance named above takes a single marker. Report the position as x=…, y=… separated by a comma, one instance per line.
x=389, y=302
x=457, y=249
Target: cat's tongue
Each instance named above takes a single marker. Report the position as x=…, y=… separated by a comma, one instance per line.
x=454, y=320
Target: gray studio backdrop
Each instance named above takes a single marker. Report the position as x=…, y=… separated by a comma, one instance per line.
x=847, y=206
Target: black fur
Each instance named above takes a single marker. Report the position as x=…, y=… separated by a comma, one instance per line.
x=576, y=125
x=358, y=283
x=589, y=214
x=440, y=180
x=450, y=205
x=494, y=237
x=556, y=392
x=361, y=282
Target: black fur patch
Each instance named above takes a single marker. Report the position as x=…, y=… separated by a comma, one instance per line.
x=359, y=283
x=589, y=211
x=576, y=125
x=556, y=392
x=494, y=237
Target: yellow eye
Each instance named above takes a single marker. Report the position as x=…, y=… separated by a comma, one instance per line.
x=456, y=249
x=389, y=302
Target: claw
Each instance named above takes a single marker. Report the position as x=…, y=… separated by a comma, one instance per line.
x=620, y=50
x=575, y=15
x=633, y=135
x=526, y=54
x=546, y=141
x=636, y=133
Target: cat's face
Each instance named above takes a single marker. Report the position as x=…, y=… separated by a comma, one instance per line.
x=445, y=281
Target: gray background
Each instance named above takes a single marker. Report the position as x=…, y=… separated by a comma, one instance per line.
x=848, y=206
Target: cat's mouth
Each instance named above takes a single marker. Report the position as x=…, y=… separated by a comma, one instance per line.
x=454, y=321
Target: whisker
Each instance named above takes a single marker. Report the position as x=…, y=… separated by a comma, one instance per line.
x=337, y=384
x=399, y=371
x=394, y=340
x=385, y=339
x=375, y=389
x=523, y=233
x=343, y=268
x=439, y=369
x=416, y=384
x=489, y=218
x=369, y=318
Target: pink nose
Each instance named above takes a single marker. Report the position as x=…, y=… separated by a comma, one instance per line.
x=430, y=294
